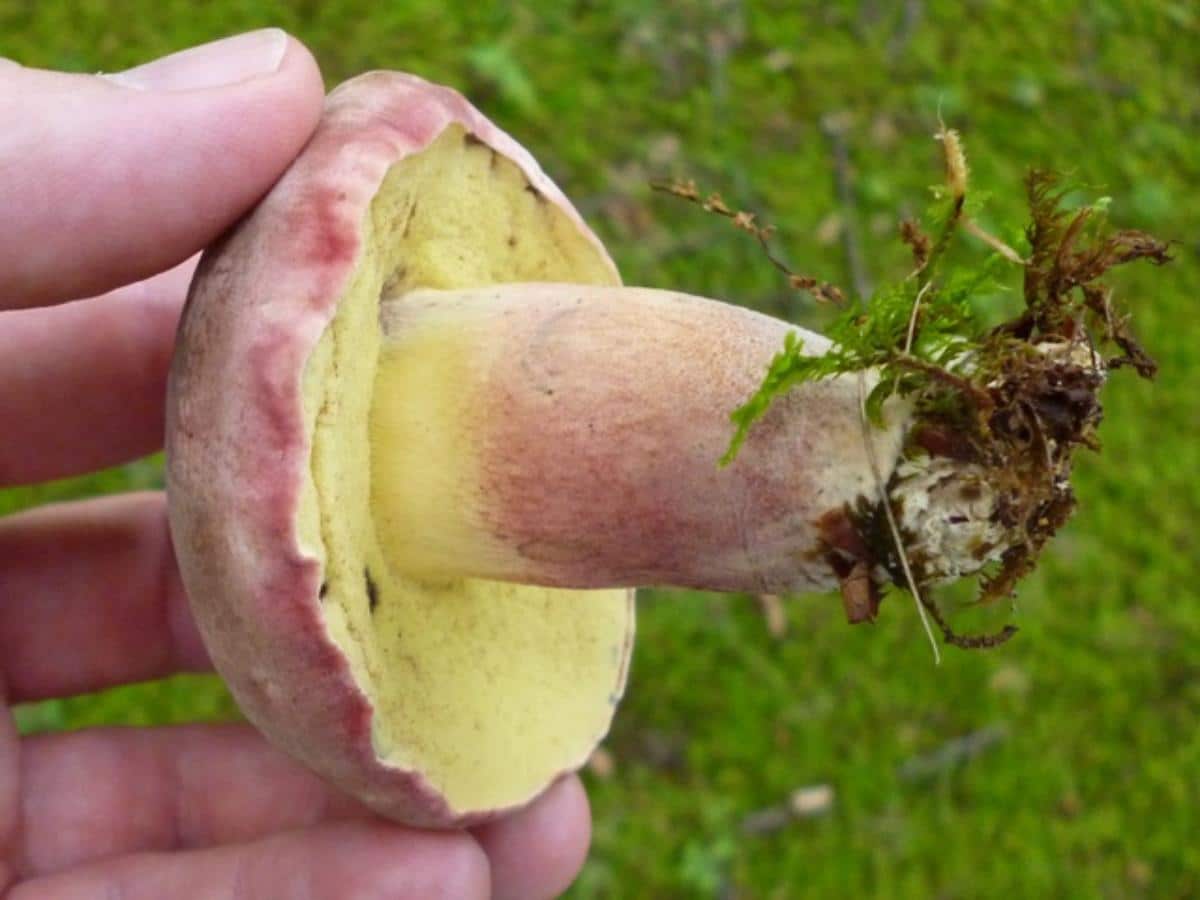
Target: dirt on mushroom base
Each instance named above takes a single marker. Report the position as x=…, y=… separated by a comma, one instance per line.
x=998, y=413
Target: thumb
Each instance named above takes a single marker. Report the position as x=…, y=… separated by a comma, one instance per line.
x=106, y=180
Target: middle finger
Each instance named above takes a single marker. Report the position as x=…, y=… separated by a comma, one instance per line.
x=90, y=597
x=84, y=384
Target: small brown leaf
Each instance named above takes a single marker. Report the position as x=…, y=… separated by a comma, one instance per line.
x=860, y=595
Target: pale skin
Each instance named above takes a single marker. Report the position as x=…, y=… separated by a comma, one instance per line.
x=109, y=191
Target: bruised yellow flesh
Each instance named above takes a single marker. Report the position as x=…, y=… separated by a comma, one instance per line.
x=487, y=690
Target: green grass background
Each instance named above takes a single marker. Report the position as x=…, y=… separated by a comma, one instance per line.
x=1093, y=789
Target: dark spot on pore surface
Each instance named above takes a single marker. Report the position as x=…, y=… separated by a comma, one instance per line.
x=372, y=590
x=393, y=283
x=472, y=140
x=412, y=214
x=538, y=195
x=324, y=590
x=512, y=240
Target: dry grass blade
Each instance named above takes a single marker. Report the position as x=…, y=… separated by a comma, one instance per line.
x=746, y=221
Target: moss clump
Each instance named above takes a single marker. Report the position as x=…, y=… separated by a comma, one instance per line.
x=1013, y=401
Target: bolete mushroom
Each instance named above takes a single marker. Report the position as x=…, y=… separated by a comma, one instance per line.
x=421, y=444
x=420, y=447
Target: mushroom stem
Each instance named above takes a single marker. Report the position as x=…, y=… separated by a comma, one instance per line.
x=569, y=435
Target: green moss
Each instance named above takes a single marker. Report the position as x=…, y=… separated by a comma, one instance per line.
x=926, y=333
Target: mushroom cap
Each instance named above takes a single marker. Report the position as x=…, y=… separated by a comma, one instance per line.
x=255, y=518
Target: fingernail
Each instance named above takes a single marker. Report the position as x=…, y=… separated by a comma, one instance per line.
x=220, y=63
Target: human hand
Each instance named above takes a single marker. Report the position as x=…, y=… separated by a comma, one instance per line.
x=109, y=187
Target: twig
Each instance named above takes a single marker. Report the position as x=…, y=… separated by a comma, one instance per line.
x=803, y=803
x=767, y=820
x=868, y=18
x=721, y=42
x=953, y=753
x=834, y=128
x=911, y=20
x=686, y=189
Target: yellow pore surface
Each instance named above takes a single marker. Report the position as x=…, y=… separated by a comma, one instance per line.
x=487, y=690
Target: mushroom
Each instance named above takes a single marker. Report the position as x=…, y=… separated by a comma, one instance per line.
x=422, y=444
